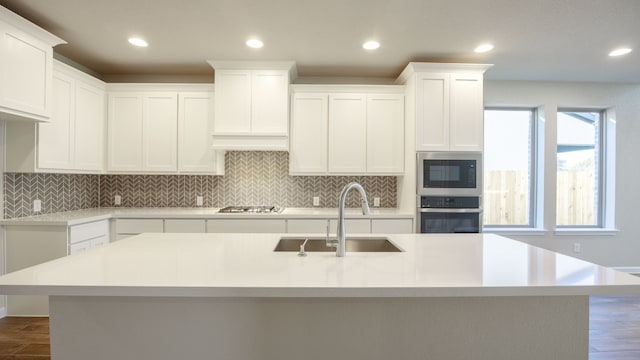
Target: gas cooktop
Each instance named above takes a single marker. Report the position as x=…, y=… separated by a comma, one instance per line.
x=251, y=209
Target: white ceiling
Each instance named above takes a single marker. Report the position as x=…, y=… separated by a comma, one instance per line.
x=565, y=40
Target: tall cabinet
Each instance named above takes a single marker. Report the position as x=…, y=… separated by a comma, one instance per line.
x=448, y=105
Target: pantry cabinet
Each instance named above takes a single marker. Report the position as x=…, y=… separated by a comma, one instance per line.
x=448, y=105
x=73, y=140
x=252, y=105
x=161, y=129
x=26, y=55
x=338, y=132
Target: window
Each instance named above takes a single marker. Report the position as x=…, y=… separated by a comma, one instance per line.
x=509, y=167
x=580, y=168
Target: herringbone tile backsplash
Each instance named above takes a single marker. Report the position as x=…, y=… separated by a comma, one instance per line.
x=251, y=178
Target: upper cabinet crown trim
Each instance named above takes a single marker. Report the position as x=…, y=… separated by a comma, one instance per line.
x=416, y=67
x=289, y=66
x=28, y=27
x=345, y=88
x=159, y=87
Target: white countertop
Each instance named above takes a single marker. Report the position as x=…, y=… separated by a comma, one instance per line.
x=83, y=216
x=244, y=265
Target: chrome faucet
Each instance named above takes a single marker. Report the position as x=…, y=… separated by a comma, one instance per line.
x=341, y=242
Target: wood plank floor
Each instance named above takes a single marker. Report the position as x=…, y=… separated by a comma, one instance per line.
x=614, y=332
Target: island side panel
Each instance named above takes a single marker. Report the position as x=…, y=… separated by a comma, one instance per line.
x=491, y=328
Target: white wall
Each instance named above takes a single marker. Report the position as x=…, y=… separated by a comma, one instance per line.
x=621, y=249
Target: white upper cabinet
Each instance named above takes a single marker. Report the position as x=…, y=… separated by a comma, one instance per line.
x=195, y=123
x=347, y=130
x=73, y=140
x=26, y=55
x=252, y=105
x=161, y=128
x=448, y=105
x=347, y=134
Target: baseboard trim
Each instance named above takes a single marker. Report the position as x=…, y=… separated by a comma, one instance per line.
x=3, y=312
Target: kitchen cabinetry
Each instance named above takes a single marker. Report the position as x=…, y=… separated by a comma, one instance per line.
x=31, y=245
x=354, y=226
x=246, y=225
x=73, y=140
x=161, y=129
x=26, y=54
x=185, y=226
x=252, y=111
x=125, y=228
x=448, y=105
x=347, y=130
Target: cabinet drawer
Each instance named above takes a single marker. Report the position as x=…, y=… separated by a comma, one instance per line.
x=246, y=225
x=138, y=226
x=185, y=226
x=99, y=241
x=82, y=232
x=352, y=226
x=392, y=226
x=79, y=247
x=307, y=226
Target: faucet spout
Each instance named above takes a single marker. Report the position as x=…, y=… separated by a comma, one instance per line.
x=341, y=235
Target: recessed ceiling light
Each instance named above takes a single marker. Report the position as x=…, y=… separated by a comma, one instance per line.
x=138, y=42
x=620, y=52
x=483, y=48
x=254, y=43
x=371, y=45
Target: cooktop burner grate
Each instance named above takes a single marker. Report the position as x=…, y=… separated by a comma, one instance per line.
x=250, y=209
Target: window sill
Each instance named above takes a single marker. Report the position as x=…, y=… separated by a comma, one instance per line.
x=588, y=232
x=516, y=231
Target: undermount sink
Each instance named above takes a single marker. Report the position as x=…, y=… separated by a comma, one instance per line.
x=363, y=244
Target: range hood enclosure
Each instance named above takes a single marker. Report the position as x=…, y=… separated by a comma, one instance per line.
x=252, y=105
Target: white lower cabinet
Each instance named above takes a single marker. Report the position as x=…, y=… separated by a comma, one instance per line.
x=246, y=225
x=185, y=226
x=392, y=226
x=308, y=226
x=353, y=226
x=29, y=245
x=125, y=228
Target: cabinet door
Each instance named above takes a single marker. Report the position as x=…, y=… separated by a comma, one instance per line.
x=308, y=142
x=269, y=102
x=125, y=132
x=89, y=125
x=55, y=138
x=233, y=99
x=467, y=115
x=266, y=226
x=385, y=134
x=160, y=132
x=347, y=134
x=432, y=112
x=25, y=73
x=185, y=226
x=195, y=124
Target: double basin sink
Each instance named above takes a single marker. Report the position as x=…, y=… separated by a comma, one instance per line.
x=364, y=244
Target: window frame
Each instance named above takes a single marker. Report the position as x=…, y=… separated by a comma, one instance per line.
x=600, y=172
x=534, y=156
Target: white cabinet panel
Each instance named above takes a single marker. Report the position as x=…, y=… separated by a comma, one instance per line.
x=467, y=116
x=185, y=226
x=392, y=226
x=233, y=96
x=79, y=247
x=432, y=126
x=352, y=226
x=139, y=226
x=89, y=127
x=385, y=134
x=56, y=138
x=195, y=124
x=308, y=145
x=160, y=132
x=307, y=226
x=88, y=231
x=246, y=225
x=125, y=132
x=347, y=134
x=269, y=102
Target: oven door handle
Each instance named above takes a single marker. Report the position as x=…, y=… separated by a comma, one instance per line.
x=457, y=211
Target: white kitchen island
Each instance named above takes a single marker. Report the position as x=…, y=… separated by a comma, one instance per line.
x=229, y=296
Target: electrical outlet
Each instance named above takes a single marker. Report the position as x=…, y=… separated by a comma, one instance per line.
x=316, y=201
x=37, y=205
x=577, y=248
x=376, y=202
x=199, y=200
x=117, y=200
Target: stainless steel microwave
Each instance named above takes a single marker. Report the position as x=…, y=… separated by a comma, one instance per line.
x=449, y=173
